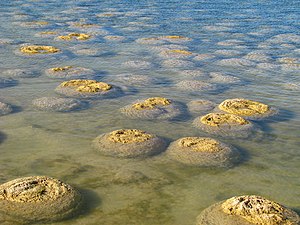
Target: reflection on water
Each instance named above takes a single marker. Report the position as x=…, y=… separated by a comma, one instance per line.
x=148, y=49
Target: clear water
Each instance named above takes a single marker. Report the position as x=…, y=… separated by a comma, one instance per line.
x=59, y=144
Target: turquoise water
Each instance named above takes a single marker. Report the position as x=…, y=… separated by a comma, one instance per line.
x=264, y=34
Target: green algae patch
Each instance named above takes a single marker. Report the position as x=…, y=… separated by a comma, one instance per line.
x=151, y=103
x=218, y=119
x=87, y=85
x=38, y=49
x=129, y=136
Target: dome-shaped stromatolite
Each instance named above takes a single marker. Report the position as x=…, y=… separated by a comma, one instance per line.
x=38, y=49
x=88, y=89
x=202, y=151
x=69, y=72
x=175, y=53
x=5, y=109
x=20, y=73
x=200, y=105
x=224, y=124
x=152, y=108
x=246, y=108
x=195, y=85
x=74, y=36
x=248, y=210
x=129, y=143
x=135, y=79
x=175, y=38
x=54, y=104
x=37, y=199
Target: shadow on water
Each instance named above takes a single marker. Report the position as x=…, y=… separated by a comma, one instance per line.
x=244, y=156
x=184, y=115
x=16, y=109
x=91, y=200
x=101, y=74
x=2, y=137
x=297, y=210
x=264, y=127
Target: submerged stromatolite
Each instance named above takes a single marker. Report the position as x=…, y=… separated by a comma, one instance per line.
x=20, y=73
x=202, y=151
x=195, y=85
x=5, y=109
x=54, y=104
x=37, y=199
x=67, y=72
x=153, y=108
x=129, y=143
x=248, y=210
x=200, y=105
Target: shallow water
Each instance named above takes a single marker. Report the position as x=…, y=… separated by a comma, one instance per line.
x=59, y=144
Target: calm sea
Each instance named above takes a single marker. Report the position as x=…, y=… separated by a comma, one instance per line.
x=256, y=43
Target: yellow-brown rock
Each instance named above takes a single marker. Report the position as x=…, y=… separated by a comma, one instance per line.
x=39, y=49
x=244, y=107
x=76, y=36
x=129, y=136
x=258, y=210
x=217, y=119
x=174, y=37
x=57, y=69
x=179, y=51
x=248, y=210
x=129, y=143
x=87, y=85
x=48, y=32
x=199, y=144
x=37, y=199
x=151, y=103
